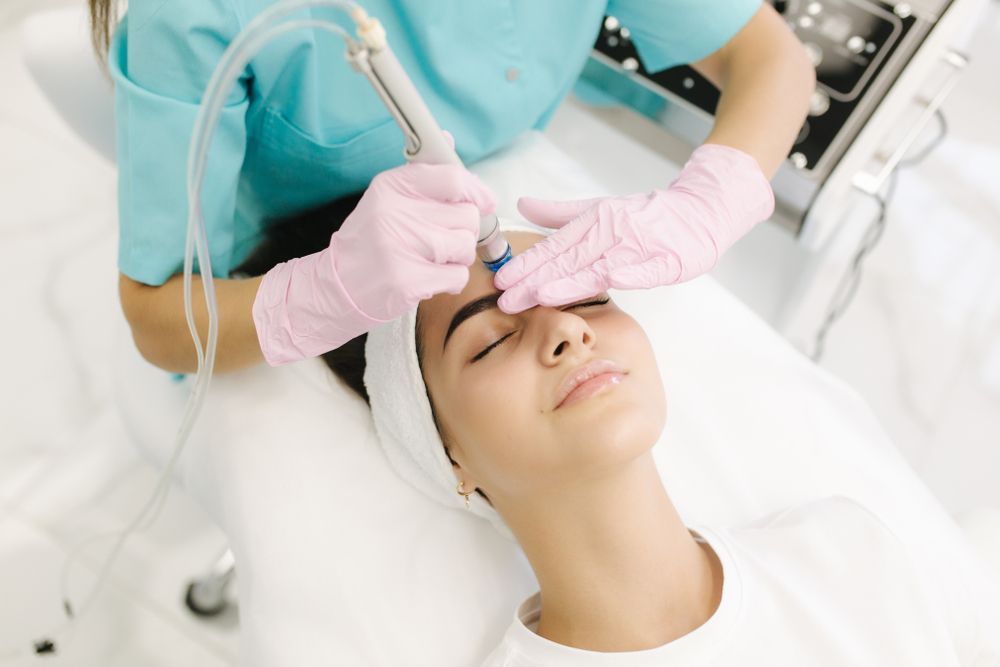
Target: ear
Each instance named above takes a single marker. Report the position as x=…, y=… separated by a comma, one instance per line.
x=455, y=454
x=462, y=475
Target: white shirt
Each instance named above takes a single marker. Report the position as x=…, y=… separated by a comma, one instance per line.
x=825, y=583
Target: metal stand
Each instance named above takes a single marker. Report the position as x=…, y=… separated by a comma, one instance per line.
x=207, y=596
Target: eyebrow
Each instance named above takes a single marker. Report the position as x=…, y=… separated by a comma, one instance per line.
x=468, y=310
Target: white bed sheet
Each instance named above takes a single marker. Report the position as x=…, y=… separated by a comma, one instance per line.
x=339, y=562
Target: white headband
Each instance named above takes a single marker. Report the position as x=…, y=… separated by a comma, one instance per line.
x=401, y=411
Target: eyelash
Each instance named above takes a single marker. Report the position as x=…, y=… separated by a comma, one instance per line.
x=489, y=348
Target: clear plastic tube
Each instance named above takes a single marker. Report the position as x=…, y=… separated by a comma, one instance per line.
x=262, y=30
x=258, y=34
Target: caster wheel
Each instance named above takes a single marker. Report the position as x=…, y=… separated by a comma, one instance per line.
x=204, y=603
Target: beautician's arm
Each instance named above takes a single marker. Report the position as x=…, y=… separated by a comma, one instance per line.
x=160, y=331
x=766, y=80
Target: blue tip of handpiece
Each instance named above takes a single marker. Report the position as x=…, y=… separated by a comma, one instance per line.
x=495, y=266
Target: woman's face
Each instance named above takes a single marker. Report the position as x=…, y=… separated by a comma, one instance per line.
x=499, y=386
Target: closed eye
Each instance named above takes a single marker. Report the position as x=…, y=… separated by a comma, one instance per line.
x=489, y=348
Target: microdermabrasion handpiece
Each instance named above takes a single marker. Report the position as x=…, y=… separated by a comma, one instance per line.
x=424, y=140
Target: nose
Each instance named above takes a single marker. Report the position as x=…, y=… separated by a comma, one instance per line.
x=565, y=336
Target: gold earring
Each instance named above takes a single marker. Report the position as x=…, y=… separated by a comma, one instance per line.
x=463, y=492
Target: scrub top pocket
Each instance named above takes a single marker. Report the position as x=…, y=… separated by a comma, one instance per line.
x=290, y=170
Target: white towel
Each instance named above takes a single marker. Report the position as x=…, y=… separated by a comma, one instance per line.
x=401, y=411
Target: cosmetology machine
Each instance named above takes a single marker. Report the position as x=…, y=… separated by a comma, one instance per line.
x=882, y=69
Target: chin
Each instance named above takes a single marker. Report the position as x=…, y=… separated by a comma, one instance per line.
x=621, y=429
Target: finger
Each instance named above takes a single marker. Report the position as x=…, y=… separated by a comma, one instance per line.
x=574, y=260
x=449, y=138
x=448, y=183
x=515, y=300
x=652, y=273
x=535, y=257
x=450, y=278
x=452, y=216
x=446, y=246
x=554, y=214
x=590, y=249
x=592, y=280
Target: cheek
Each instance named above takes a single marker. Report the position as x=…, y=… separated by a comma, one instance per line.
x=650, y=393
x=495, y=419
x=628, y=422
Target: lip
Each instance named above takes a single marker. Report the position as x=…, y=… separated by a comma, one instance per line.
x=587, y=380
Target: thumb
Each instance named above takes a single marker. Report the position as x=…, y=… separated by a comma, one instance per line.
x=450, y=278
x=449, y=138
x=554, y=214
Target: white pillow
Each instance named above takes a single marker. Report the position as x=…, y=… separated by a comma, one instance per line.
x=340, y=562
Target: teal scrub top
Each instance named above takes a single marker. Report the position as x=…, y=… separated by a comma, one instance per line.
x=302, y=128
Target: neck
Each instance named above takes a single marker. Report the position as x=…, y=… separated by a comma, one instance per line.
x=618, y=570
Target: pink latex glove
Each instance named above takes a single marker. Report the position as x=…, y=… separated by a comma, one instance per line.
x=639, y=241
x=412, y=235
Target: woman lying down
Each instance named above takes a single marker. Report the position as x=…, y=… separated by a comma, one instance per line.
x=543, y=422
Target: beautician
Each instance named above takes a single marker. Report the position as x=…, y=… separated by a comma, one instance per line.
x=301, y=129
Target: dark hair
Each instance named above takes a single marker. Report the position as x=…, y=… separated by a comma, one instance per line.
x=302, y=235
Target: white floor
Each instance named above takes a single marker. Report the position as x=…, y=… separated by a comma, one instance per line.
x=921, y=342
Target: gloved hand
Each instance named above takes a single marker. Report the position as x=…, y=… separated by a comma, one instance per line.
x=412, y=235
x=639, y=241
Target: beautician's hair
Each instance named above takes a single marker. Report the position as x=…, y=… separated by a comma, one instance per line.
x=302, y=235
x=103, y=14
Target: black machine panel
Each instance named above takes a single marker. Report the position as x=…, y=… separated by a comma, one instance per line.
x=849, y=41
